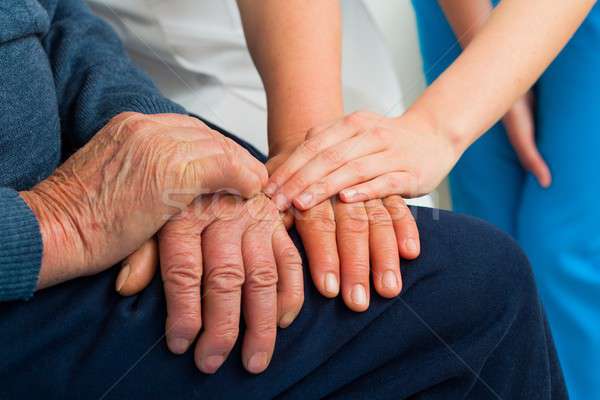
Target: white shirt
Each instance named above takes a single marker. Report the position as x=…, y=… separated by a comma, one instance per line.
x=195, y=51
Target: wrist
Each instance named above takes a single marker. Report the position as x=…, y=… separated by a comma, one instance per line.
x=290, y=122
x=58, y=256
x=427, y=121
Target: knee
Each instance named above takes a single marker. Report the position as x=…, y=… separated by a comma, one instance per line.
x=481, y=267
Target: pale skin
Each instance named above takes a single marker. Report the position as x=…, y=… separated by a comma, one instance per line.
x=345, y=243
x=467, y=17
x=366, y=156
x=300, y=65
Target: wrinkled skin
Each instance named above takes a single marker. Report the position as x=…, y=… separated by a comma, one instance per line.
x=220, y=248
x=121, y=187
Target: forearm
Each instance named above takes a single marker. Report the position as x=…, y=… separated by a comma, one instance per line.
x=500, y=64
x=296, y=46
x=466, y=17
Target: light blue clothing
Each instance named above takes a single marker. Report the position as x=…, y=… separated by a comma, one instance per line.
x=559, y=228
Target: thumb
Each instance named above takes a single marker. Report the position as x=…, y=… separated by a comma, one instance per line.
x=234, y=170
x=138, y=269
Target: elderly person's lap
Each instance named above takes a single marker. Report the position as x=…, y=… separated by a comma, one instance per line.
x=469, y=305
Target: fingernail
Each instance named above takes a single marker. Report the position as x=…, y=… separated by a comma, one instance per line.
x=257, y=363
x=270, y=189
x=389, y=280
x=211, y=364
x=359, y=295
x=348, y=194
x=122, y=277
x=331, y=284
x=411, y=245
x=305, y=199
x=281, y=202
x=178, y=345
x=287, y=319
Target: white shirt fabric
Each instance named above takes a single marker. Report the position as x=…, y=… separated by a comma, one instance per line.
x=196, y=53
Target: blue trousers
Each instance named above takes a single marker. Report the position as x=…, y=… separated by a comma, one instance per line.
x=558, y=227
x=467, y=325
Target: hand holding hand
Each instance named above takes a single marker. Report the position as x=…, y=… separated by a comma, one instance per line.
x=362, y=157
x=115, y=192
x=346, y=243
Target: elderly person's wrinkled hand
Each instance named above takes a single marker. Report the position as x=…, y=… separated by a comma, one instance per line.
x=218, y=258
x=120, y=188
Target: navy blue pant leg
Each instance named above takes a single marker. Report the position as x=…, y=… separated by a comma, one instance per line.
x=467, y=325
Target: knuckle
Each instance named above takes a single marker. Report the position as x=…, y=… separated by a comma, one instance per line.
x=394, y=183
x=320, y=224
x=181, y=274
x=225, y=278
x=354, y=225
x=354, y=218
x=332, y=156
x=379, y=134
x=290, y=257
x=183, y=228
x=378, y=216
x=357, y=169
x=311, y=147
x=225, y=331
x=357, y=269
x=261, y=274
x=228, y=337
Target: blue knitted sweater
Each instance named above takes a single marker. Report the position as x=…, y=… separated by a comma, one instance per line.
x=63, y=75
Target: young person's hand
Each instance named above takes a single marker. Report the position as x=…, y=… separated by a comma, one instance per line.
x=346, y=244
x=363, y=156
x=519, y=122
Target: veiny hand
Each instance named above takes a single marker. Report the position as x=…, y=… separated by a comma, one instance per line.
x=349, y=242
x=362, y=157
x=519, y=122
x=120, y=188
x=220, y=255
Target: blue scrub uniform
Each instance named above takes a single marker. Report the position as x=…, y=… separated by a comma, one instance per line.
x=559, y=228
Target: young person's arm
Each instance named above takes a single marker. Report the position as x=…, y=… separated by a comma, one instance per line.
x=296, y=47
x=371, y=156
x=467, y=17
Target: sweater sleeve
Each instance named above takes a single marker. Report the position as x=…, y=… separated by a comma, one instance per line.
x=20, y=247
x=95, y=80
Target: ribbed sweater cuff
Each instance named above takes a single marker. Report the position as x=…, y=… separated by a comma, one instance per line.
x=20, y=247
x=156, y=105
